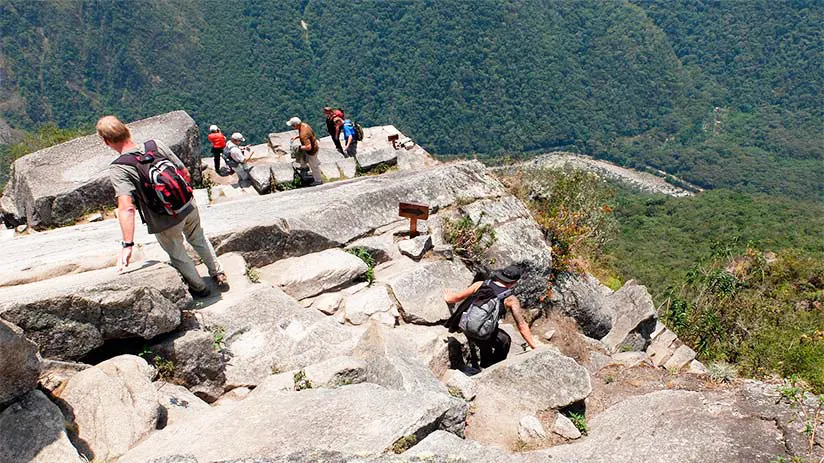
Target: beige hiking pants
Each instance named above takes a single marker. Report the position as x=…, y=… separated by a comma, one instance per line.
x=314, y=165
x=171, y=240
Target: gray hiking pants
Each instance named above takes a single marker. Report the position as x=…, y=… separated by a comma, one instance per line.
x=171, y=240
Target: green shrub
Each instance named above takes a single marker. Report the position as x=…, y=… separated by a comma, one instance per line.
x=574, y=210
x=580, y=422
x=364, y=255
x=469, y=239
x=404, y=443
x=765, y=317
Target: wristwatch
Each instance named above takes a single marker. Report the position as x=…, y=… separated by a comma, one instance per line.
x=127, y=244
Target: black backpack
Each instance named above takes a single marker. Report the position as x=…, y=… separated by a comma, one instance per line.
x=358, y=131
x=163, y=185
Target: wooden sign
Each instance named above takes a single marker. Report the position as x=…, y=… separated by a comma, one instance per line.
x=413, y=212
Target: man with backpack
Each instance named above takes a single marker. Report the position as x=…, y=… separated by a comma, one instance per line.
x=484, y=306
x=350, y=137
x=153, y=178
x=236, y=156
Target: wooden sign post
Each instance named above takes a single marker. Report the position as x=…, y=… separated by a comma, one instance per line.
x=413, y=212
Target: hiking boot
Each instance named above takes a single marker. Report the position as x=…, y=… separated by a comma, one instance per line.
x=200, y=293
x=221, y=281
x=316, y=183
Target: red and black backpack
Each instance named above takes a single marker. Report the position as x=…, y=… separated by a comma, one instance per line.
x=163, y=185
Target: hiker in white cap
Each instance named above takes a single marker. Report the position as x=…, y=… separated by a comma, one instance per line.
x=236, y=156
x=218, y=141
x=308, y=147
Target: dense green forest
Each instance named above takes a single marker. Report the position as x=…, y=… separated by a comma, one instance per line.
x=635, y=82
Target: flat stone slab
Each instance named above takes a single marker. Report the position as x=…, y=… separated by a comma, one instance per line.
x=370, y=158
x=680, y=358
x=70, y=315
x=312, y=274
x=373, y=303
x=287, y=224
x=59, y=184
x=673, y=426
x=363, y=419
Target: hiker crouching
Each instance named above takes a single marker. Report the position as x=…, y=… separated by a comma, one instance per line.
x=484, y=306
x=153, y=180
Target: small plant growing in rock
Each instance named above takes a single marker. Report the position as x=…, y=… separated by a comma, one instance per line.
x=252, y=274
x=165, y=368
x=722, y=372
x=580, y=422
x=811, y=407
x=455, y=391
x=609, y=379
x=218, y=336
x=469, y=239
x=364, y=255
x=301, y=382
x=520, y=445
x=404, y=443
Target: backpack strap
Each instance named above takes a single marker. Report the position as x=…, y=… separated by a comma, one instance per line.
x=150, y=147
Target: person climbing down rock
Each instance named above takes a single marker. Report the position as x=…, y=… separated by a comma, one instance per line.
x=484, y=306
x=333, y=129
x=165, y=202
x=308, y=147
x=236, y=156
x=218, y=141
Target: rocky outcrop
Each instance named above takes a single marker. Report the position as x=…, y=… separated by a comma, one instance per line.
x=19, y=364
x=518, y=240
x=673, y=427
x=33, y=430
x=419, y=288
x=583, y=298
x=73, y=314
x=623, y=319
x=179, y=403
x=634, y=313
x=391, y=362
x=312, y=274
x=363, y=419
x=197, y=363
x=113, y=406
x=57, y=185
x=288, y=224
x=267, y=331
x=541, y=380
x=641, y=181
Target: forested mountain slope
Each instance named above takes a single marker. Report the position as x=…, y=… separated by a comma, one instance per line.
x=635, y=83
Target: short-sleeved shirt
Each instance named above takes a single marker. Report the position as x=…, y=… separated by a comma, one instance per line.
x=307, y=137
x=126, y=182
x=349, y=130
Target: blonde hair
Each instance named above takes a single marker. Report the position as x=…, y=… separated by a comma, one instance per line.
x=112, y=130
